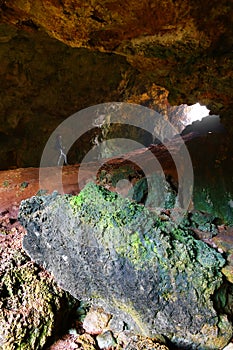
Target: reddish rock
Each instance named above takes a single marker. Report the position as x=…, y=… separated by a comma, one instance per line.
x=19, y=184
x=224, y=239
x=67, y=342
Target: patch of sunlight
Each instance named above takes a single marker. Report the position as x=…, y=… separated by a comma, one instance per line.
x=197, y=112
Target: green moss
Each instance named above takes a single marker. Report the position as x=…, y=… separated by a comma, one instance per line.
x=136, y=251
x=179, y=235
x=134, y=232
x=215, y=200
x=155, y=191
x=6, y=183
x=117, y=217
x=161, y=266
x=103, y=205
x=31, y=305
x=77, y=201
x=24, y=185
x=127, y=226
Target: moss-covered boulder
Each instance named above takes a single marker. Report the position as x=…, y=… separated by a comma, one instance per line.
x=211, y=156
x=32, y=307
x=116, y=254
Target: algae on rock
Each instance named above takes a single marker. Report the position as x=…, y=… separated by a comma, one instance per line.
x=115, y=253
x=32, y=306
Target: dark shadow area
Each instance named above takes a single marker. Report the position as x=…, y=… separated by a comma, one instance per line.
x=209, y=124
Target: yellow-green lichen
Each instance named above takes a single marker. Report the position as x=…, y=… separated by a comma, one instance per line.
x=31, y=303
x=117, y=217
x=130, y=310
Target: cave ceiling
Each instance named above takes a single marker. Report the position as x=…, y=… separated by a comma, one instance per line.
x=59, y=56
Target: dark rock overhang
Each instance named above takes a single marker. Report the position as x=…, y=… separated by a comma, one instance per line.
x=184, y=46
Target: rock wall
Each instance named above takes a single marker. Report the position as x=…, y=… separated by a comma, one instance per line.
x=42, y=83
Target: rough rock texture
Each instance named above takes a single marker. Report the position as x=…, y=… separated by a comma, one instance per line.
x=213, y=175
x=224, y=240
x=99, y=51
x=43, y=82
x=32, y=307
x=113, y=252
x=185, y=45
x=96, y=321
x=11, y=234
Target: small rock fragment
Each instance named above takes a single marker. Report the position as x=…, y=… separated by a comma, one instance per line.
x=96, y=321
x=228, y=272
x=116, y=325
x=86, y=341
x=106, y=340
x=131, y=341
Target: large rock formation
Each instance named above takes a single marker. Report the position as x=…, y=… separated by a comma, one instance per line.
x=146, y=270
x=43, y=82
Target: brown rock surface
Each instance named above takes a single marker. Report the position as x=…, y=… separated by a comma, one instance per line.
x=58, y=57
x=224, y=241
x=185, y=45
x=96, y=321
x=22, y=183
x=18, y=184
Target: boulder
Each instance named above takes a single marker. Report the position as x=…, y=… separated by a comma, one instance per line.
x=116, y=254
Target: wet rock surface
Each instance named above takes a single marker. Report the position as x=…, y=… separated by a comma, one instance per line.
x=115, y=254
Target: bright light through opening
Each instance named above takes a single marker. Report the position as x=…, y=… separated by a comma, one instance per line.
x=197, y=112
